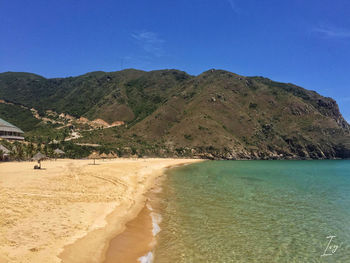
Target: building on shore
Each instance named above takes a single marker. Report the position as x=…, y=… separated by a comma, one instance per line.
x=9, y=131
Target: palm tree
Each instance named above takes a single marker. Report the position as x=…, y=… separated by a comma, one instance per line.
x=30, y=150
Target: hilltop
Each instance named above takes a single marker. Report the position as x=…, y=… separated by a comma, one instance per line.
x=217, y=114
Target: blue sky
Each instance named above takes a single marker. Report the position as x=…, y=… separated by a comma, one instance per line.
x=305, y=42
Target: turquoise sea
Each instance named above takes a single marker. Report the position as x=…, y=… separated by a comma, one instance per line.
x=256, y=211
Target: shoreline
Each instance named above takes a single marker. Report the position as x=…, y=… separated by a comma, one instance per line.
x=134, y=242
x=137, y=242
x=69, y=211
x=117, y=222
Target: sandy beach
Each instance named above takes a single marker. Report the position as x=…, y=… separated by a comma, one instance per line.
x=71, y=210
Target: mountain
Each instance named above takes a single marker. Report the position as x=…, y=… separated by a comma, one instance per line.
x=217, y=114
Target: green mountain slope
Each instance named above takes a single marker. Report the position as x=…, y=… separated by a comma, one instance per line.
x=217, y=114
x=18, y=116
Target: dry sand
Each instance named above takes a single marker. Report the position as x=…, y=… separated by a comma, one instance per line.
x=70, y=211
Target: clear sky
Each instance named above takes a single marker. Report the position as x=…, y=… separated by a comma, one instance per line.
x=305, y=42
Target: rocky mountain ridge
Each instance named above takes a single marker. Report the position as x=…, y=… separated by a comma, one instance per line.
x=216, y=115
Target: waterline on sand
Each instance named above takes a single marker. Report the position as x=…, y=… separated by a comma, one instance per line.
x=148, y=258
x=156, y=220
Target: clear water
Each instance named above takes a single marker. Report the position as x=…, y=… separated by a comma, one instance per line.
x=256, y=211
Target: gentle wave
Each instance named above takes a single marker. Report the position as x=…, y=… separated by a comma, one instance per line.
x=156, y=219
x=148, y=258
x=149, y=207
x=157, y=190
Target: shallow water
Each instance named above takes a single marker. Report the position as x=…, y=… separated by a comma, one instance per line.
x=255, y=211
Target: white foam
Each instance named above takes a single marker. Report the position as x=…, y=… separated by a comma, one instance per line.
x=157, y=190
x=149, y=207
x=148, y=258
x=156, y=219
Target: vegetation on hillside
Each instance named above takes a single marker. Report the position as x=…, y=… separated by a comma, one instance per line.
x=217, y=114
x=18, y=116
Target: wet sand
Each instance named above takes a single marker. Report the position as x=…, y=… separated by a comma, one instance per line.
x=71, y=211
x=134, y=242
x=138, y=240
